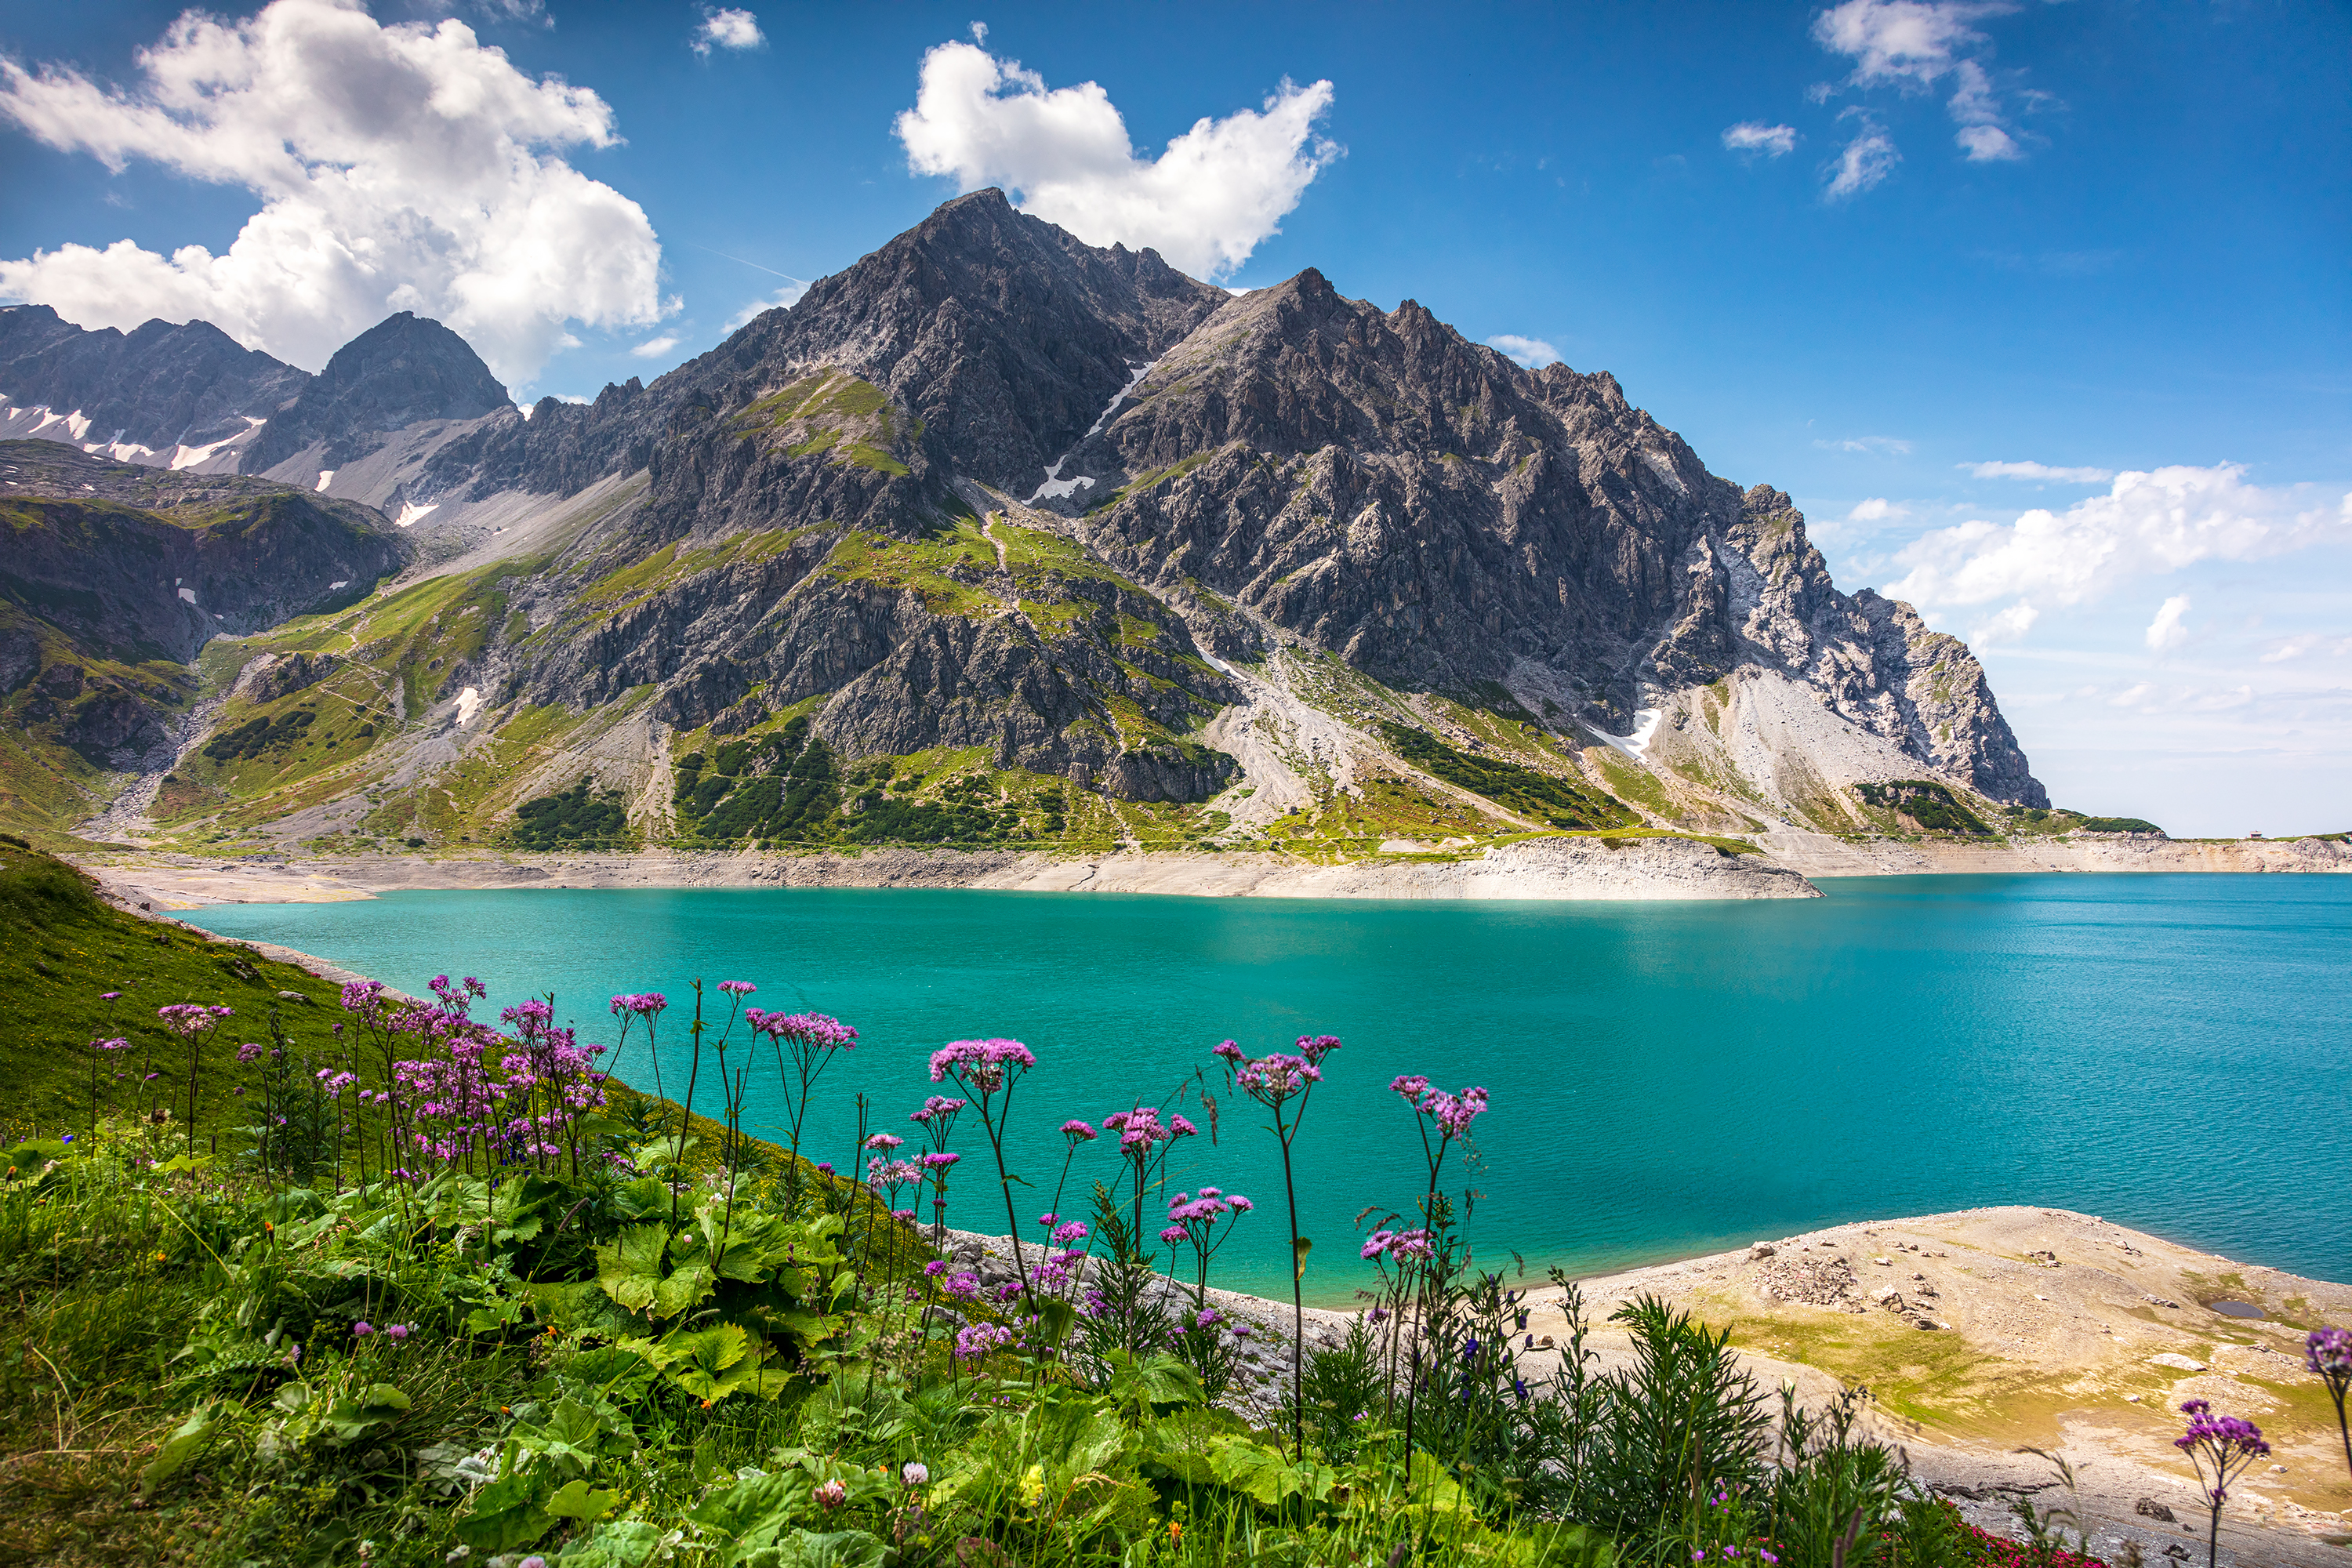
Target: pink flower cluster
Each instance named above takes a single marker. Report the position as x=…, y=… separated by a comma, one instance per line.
x=1405, y=1246
x=937, y=1108
x=1451, y=1112
x=976, y=1339
x=816, y=1030
x=1140, y=1128
x=979, y=1065
x=190, y=1018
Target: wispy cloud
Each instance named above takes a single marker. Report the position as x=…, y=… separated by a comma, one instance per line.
x=2039, y=471
x=782, y=299
x=1753, y=136
x=1889, y=446
x=2166, y=632
x=654, y=348
x=1912, y=45
x=2307, y=643
x=2147, y=525
x=2008, y=626
x=1532, y=352
x=1863, y=165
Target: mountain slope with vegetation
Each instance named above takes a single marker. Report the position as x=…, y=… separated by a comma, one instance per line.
x=1044, y=545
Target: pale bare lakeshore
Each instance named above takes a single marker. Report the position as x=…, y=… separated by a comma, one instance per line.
x=1543, y=868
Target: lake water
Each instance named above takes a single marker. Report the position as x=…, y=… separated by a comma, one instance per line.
x=2171, y=1052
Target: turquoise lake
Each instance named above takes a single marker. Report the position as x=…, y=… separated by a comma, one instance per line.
x=2171, y=1052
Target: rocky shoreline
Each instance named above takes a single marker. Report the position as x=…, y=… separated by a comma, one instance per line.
x=1541, y=869
x=1546, y=869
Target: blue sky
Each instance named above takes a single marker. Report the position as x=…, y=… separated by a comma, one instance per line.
x=1955, y=275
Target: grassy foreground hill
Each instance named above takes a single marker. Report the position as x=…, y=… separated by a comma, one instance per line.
x=572, y=1328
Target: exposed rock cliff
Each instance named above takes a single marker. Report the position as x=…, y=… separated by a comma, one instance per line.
x=995, y=505
x=157, y=393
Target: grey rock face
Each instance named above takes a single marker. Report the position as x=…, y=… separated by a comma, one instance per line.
x=401, y=371
x=160, y=386
x=830, y=510
x=137, y=562
x=1875, y=659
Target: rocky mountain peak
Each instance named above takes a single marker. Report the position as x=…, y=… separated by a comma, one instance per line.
x=404, y=370
x=152, y=391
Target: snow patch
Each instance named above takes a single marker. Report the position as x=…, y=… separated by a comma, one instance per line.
x=467, y=701
x=1645, y=727
x=326, y=478
x=189, y=594
x=1056, y=486
x=187, y=456
x=344, y=584
x=410, y=512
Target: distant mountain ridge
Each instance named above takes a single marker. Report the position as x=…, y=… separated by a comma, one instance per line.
x=994, y=505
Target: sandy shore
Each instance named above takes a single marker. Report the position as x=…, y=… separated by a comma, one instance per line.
x=2058, y=1331
x=1819, y=854
x=1548, y=868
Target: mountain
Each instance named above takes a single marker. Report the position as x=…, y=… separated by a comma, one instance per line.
x=997, y=536
x=401, y=373
x=116, y=576
x=173, y=395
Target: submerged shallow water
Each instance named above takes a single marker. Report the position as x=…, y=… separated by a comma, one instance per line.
x=2170, y=1052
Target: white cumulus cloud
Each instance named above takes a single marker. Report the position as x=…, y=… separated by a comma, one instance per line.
x=655, y=348
x=1755, y=136
x=1861, y=164
x=1204, y=204
x=2039, y=471
x=2008, y=626
x=728, y=28
x=2166, y=633
x=1532, y=352
x=2146, y=524
x=398, y=168
x=1878, y=508
x=1910, y=43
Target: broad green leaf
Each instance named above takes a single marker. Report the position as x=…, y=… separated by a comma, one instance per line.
x=574, y=1499
x=509, y=1513
x=682, y=1290
x=630, y=1269
x=713, y=1349
x=641, y=1199
x=807, y=1549
x=624, y=1543
x=179, y=1449
x=753, y=1512
x=354, y=1415
x=616, y=1372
